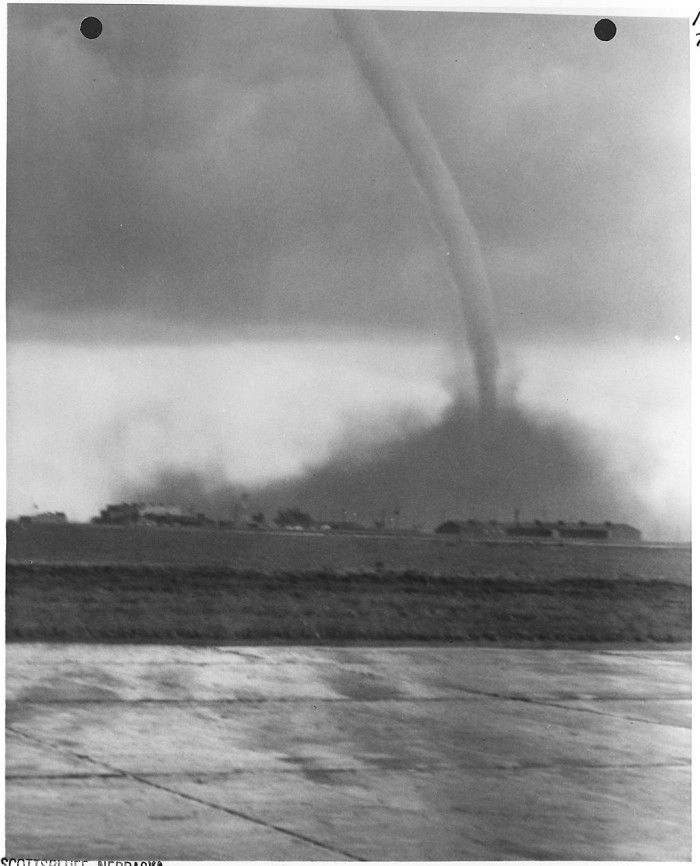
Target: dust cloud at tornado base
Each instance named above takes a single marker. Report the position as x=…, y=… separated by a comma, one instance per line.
x=357, y=426
x=456, y=469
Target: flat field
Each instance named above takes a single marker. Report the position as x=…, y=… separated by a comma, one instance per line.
x=273, y=552
x=97, y=584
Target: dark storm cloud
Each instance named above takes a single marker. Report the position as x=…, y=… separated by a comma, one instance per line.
x=228, y=166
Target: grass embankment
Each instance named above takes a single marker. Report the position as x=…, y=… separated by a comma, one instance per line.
x=171, y=604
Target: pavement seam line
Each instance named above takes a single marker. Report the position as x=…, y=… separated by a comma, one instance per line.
x=347, y=700
x=581, y=709
x=292, y=770
x=21, y=777
x=609, y=715
x=118, y=772
x=252, y=818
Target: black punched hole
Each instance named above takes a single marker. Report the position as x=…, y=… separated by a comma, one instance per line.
x=91, y=27
x=605, y=29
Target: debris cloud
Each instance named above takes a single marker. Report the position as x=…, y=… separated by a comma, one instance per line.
x=544, y=469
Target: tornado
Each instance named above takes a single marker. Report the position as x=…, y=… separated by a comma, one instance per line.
x=466, y=263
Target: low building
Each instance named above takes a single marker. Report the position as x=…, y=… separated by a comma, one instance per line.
x=581, y=531
x=345, y=526
x=561, y=529
x=153, y=510
x=530, y=530
x=124, y=512
x=472, y=528
x=147, y=513
x=44, y=517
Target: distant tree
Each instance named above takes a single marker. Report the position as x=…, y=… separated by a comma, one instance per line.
x=293, y=517
x=258, y=518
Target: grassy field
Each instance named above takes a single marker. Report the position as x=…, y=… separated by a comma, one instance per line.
x=84, y=583
x=166, y=603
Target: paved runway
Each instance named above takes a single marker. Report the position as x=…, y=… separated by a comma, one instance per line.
x=278, y=753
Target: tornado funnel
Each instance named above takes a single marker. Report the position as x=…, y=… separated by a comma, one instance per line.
x=465, y=259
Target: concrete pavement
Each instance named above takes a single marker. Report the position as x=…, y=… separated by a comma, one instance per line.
x=326, y=753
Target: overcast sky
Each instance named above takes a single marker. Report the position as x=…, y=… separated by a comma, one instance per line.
x=228, y=166
x=219, y=261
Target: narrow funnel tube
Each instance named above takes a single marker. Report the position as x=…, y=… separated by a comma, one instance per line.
x=465, y=260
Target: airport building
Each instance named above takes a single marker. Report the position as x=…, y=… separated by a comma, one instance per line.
x=140, y=512
x=561, y=529
x=55, y=517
